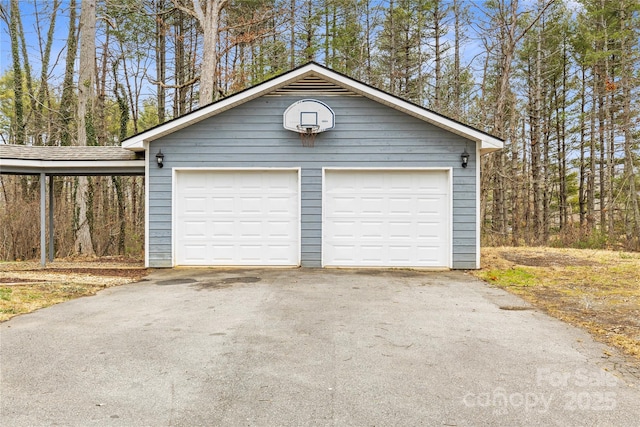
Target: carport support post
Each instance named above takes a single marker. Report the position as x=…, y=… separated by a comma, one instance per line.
x=51, y=229
x=43, y=218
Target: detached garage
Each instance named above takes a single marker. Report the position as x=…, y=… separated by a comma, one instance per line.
x=314, y=169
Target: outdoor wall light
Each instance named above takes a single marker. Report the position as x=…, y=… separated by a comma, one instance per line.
x=465, y=158
x=160, y=158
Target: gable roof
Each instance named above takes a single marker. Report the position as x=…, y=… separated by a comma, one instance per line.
x=324, y=79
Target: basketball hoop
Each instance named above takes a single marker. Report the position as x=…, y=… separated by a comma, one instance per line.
x=308, y=135
x=308, y=117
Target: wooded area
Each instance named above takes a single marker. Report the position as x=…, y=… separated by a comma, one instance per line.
x=558, y=80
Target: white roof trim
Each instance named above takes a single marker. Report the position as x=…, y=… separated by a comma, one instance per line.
x=88, y=167
x=487, y=142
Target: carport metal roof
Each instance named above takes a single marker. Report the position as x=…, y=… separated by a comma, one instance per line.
x=65, y=161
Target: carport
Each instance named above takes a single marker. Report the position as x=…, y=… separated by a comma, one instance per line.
x=48, y=161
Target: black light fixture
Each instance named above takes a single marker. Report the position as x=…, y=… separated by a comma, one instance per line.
x=160, y=158
x=465, y=158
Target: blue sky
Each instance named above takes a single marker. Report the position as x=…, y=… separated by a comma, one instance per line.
x=32, y=13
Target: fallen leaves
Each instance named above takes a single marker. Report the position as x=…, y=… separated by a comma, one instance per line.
x=25, y=287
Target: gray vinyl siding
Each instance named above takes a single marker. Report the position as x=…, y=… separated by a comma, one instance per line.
x=367, y=134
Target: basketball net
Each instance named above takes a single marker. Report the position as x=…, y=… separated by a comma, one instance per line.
x=308, y=135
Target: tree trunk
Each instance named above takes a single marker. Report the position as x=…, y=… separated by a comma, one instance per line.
x=209, y=19
x=43, y=90
x=457, y=113
x=18, y=106
x=161, y=53
x=582, y=189
x=179, y=102
x=66, y=101
x=86, y=84
x=292, y=36
x=632, y=225
x=438, y=56
x=591, y=180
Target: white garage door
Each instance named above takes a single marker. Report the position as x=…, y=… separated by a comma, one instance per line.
x=237, y=217
x=386, y=218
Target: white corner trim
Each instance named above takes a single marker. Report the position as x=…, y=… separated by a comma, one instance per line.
x=174, y=221
x=146, y=210
x=478, y=219
x=451, y=216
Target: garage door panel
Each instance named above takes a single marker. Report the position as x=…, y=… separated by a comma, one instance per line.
x=250, y=205
x=283, y=186
x=278, y=253
x=399, y=183
x=343, y=252
x=278, y=229
x=403, y=206
x=344, y=229
x=195, y=229
x=249, y=229
x=224, y=254
x=222, y=229
x=429, y=230
x=368, y=205
x=342, y=206
x=399, y=254
x=221, y=188
x=277, y=205
x=431, y=205
x=369, y=182
x=251, y=217
x=371, y=229
x=195, y=205
x=430, y=254
x=195, y=252
x=221, y=205
x=386, y=218
x=371, y=253
x=250, y=252
x=401, y=229
x=195, y=185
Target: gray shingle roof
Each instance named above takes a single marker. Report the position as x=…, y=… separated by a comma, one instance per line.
x=25, y=152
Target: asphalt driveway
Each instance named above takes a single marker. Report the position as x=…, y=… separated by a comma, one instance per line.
x=307, y=347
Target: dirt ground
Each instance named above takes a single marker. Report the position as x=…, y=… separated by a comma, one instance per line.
x=595, y=290
x=26, y=286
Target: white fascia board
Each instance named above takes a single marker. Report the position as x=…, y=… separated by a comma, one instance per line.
x=50, y=166
x=136, y=143
x=489, y=146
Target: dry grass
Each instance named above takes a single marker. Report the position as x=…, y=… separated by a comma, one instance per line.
x=594, y=289
x=25, y=286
